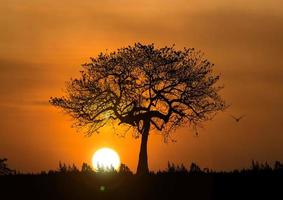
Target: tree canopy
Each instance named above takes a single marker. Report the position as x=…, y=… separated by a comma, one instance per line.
x=143, y=87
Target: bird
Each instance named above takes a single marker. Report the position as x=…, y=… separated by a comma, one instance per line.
x=196, y=134
x=237, y=119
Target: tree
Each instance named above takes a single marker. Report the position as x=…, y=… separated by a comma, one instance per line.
x=145, y=88
x=124, y=170
x=4, y=169
x=86, y=168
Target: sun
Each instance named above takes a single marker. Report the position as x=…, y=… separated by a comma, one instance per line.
x=105, y=159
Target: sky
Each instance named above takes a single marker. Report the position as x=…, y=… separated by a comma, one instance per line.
x=44, y=42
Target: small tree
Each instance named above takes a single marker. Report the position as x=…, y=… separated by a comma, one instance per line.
x=125, y=170
x=194, y=168
x=145, y=88
x=4, y=169
x=86, y=168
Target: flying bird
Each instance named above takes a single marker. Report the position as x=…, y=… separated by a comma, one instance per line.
x=237, y=119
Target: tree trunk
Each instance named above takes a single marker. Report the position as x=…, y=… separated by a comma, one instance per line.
x=142, y=168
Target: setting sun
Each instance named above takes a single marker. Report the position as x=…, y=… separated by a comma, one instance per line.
x=105, y=158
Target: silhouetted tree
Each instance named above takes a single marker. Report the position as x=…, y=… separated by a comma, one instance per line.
x=62, y=167
x=278, y=166
x=86, y=168
x=125, y=170
x=73, y=168
x=145, y=88
x=4, y=169
x=172, y=168
x=255, y=166
x=105, y=169
x=194, y=168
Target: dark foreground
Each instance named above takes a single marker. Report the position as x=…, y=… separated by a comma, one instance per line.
x=166, y=185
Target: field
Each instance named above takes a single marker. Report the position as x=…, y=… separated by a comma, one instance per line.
x=260, y=181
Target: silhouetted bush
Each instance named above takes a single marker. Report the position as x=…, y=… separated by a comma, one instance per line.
x=105, y=169
x=4, y=169
x=172, y=168
x=278, y=166
x=125, y=170
x=194, y=168
x=259, y=181
x=86, y=168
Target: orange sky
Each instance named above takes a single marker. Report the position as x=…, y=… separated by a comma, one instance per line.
x=43, y=43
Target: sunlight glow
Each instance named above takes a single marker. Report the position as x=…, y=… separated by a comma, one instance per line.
x=105, y=159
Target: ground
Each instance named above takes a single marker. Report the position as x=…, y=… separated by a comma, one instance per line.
x=164, y=185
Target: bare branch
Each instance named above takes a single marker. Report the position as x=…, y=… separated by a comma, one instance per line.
x=167, y=87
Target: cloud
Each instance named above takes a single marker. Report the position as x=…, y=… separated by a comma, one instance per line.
x=25, y=83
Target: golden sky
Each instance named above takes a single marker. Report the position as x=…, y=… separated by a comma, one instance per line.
x=43, y=43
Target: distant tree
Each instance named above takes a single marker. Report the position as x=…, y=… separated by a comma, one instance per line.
x=144, y=88
x=43, y=172
x=73, y=168
x=4, y=169
x=62, y=167
x=278, y=166
x=105, y=169
x=255, y=166
x=265, y=166
x=206, y=170
x=194, y=168
x=86, y=168
x=172, y=168
x=125, y=170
